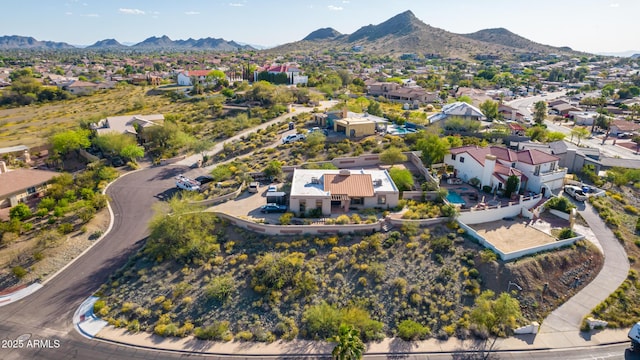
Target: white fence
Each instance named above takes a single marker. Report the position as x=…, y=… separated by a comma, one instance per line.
x=520, y=253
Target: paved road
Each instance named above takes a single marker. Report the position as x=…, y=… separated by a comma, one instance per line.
x=190, y=160
x=569, y=316
x=47, y=313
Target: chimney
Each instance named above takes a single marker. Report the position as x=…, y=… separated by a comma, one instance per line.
x=27, y=157
x=3, y=167
x=344, y=112
x=487, y=171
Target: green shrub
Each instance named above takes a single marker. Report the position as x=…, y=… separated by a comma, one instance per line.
x=244, y=336
x=20, y=212
x=134, y=326
x=561, y=204
x=343, y=219
x=285, y=219
x=410, y=330
x=220, y=288
x=98, y=306
x=215, y=331
x=566, y=233
x=19, y=272
x=65, y=228
x=487, y=255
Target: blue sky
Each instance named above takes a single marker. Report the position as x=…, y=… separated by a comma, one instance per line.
x=586, y=25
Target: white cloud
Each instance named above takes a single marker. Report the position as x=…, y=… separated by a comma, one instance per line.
x=335, y=8
x=614, y=5
x=68, y=13
x=236, y=4
x=345, y=1
x=192, y=13
x=131, y=11
x=90, y=15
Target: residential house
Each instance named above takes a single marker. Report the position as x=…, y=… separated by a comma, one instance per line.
x=186, y=78
x=563, y=108
x=341, y=190
x=293, y=73
x=623, y=127
x=457, y=109
x=516, y=129
x=81, y=88
x=351, y=124
x=21, y=185
x=408, y=92
x=128, y=124
x=583, y=117
x=510, y=113
x=536, y=170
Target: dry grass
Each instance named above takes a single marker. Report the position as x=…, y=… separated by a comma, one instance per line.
x=32, y=125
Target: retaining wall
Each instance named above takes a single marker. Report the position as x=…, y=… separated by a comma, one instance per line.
x=299, y=230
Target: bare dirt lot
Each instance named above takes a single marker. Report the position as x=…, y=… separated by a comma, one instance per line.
x=509, y=236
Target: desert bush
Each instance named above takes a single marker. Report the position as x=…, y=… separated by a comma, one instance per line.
x=487, y=255
x=274, y=271
x=410, y=330
x=220, y=288
x=215, y=331
x=343, y=219
x=19, y=272
x=561, y=204
x=566, y=233
x=285, y=219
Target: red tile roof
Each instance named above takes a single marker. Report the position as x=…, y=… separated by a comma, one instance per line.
x=354, y=185
x=535, y=157
x=197, y=72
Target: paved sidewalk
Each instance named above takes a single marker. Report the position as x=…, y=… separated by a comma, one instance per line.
x=299, y=348
x=568, y=317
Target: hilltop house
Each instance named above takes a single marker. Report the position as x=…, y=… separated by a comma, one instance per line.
x=457, y=109
x=186, y=78
x=289, y=73
x=128, y=124
x=537, y=171
x=407, y=93
x=341, y=190
x=351, y=124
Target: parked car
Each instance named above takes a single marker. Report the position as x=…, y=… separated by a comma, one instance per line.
x=253, y=187
x=293, y=138
x=273, y=208
x=575, y=192
x=203, y=179
x=272, y=188
x=317, y=129
x=634, y=336
x=184, y=183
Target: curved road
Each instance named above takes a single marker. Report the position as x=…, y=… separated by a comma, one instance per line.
x=47, y=313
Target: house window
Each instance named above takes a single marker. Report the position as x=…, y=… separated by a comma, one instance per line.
x=536, y=172
x=553, y=166
x=513, y=165
x=453, y=156
x=31, y=190
x=382, y=199
x=461, y=159
x=303, y=206
x=318, y=204
x=357, y=201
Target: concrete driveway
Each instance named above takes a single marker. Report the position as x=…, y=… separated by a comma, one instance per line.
x=247, y=206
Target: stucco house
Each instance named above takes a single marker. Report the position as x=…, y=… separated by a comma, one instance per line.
x=292, y=71
x=127, y=124
x=623, y=127
x=537, y=171
x=403, y=93
x=350, y=123
x=22, y=184
x=341, y=190
x=186, y=78
x=457, y=109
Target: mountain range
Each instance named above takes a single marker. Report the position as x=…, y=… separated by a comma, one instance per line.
x=152, y=43
x=403, y=33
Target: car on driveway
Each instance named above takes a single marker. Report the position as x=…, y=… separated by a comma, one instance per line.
x=273, y=208
x=575, y=192
x=272, y=188
x=184, y=183
x=203, y=179
x=293, y=138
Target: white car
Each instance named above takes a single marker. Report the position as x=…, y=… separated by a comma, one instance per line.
x=272, y=188
x=292, y=138
x=184, y=183
x=575, y=192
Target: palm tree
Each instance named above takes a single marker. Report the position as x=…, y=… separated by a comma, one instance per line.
x=348, y=344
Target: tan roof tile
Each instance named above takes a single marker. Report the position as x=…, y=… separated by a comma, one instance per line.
x=354, y=185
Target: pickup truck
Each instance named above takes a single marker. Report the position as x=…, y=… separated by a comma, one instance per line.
x=184, y=183
x=634, y=336
x=575, y=192
x=292, y=138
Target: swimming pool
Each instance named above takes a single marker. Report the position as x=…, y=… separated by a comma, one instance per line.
x=394, y=129
x=455, y=198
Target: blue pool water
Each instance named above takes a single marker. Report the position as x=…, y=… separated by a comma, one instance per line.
x=398, y=130
x=455, y=198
